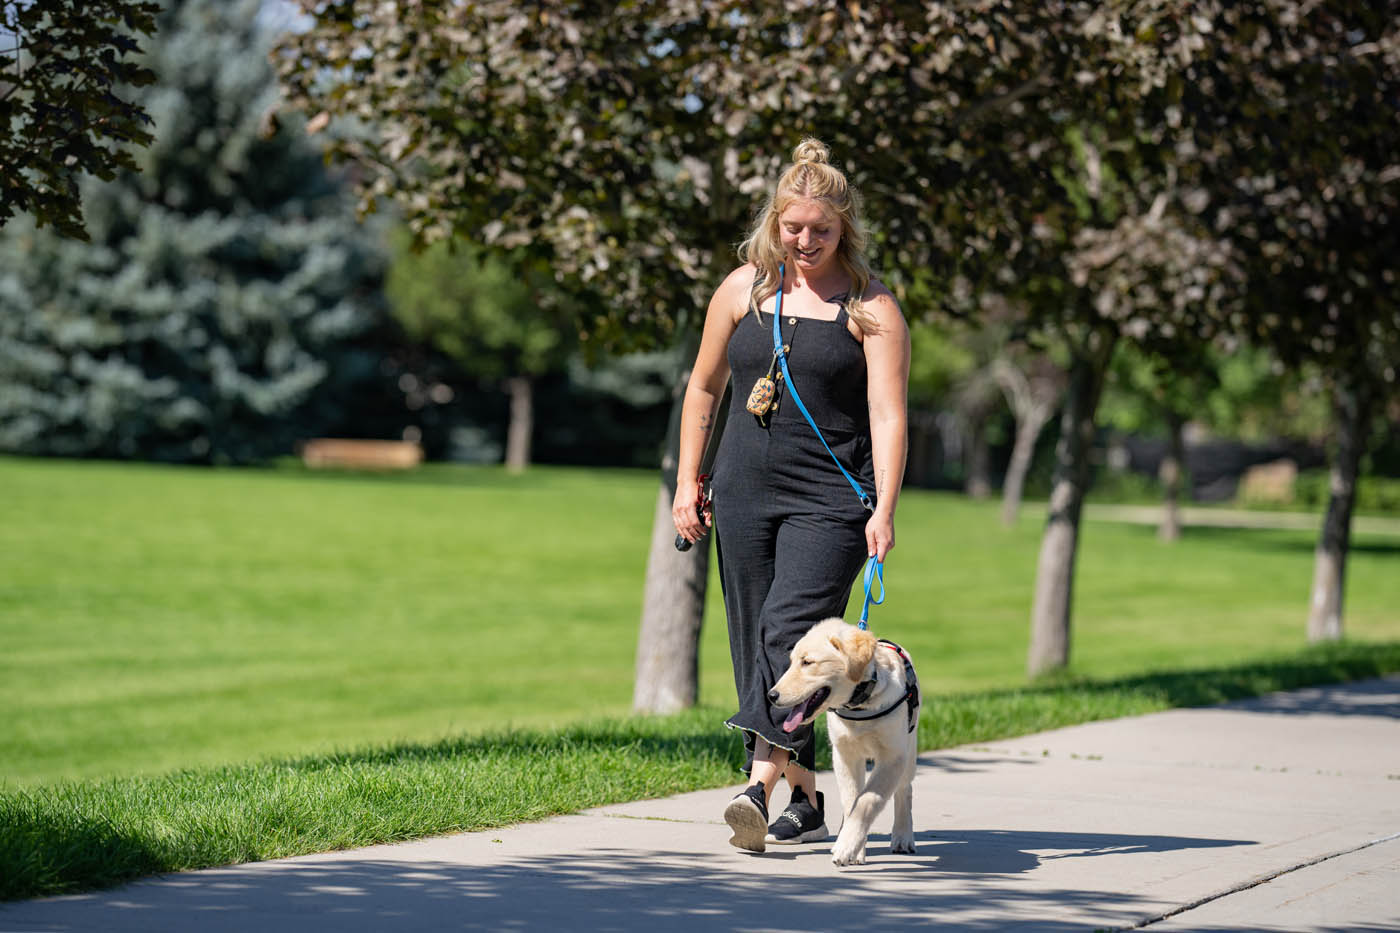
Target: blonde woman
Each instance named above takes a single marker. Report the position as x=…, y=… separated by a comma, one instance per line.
x=791, y=532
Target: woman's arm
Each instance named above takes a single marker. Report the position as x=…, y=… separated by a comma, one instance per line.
x=702, y=396
x=887, y=376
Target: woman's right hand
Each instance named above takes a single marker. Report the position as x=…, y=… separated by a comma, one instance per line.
x=685, y=512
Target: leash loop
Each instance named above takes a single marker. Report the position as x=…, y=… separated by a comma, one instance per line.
x=874, y=570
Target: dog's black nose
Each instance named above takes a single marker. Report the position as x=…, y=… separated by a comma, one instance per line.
x=772, y=696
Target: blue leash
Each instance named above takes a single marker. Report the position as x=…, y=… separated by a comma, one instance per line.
x=874, y=569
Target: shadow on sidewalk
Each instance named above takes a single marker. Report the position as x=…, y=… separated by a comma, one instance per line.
x=963, y=879
x=1366, y=698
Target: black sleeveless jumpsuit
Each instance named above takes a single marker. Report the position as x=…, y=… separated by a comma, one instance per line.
x=790, y=530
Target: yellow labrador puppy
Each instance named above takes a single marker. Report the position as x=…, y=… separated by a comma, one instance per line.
x=868, y=689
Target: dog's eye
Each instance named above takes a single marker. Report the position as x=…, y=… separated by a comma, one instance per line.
x=806, y=662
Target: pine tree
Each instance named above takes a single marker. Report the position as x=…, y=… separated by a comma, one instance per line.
x=212, y=314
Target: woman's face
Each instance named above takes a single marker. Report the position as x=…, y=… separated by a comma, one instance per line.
x=810, y=234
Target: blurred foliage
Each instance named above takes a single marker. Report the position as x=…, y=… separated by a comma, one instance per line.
x=1376, y=494
x=480, y=308
x=217, y=312
x=940, y=358
x=67, y=73
x=1246, y=394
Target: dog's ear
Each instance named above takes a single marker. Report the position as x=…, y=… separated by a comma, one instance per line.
x=859, y=648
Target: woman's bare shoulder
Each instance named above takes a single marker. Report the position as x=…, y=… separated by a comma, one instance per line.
x=733, y=292
x=880, y=301
x=876, y=292
x=741, y=279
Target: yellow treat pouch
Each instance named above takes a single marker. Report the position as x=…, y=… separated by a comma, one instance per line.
x=761, y=395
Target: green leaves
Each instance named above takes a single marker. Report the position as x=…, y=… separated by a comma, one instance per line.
x=65, y=96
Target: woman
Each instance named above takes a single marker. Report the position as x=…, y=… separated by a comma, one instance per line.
x=792, y=533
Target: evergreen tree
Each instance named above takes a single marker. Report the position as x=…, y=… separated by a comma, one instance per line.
x=212, y=314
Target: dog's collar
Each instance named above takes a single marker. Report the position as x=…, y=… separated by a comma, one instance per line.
x=863, y=689
x=910, y=698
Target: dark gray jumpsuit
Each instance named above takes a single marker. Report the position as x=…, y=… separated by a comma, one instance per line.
x=790, y=531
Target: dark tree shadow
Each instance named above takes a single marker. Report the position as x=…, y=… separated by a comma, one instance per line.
x=968, y=880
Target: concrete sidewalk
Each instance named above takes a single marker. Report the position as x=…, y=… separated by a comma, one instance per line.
x=1276, y=814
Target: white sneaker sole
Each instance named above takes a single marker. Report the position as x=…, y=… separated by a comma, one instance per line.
x=748, y=822
x=811, y=835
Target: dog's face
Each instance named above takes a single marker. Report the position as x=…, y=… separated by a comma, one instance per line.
x=824, y=668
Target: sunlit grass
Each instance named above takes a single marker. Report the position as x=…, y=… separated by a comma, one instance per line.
x=154, y=618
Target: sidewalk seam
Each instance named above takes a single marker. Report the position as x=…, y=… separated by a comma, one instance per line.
x=1255, y=882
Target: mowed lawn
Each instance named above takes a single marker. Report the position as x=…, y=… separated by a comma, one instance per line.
x=155, y=618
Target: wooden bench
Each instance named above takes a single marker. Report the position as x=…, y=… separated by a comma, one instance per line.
x=342, y=453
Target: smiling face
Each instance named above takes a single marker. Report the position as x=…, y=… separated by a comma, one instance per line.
x=810, y=233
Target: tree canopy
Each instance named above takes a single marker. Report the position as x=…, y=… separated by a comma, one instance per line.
x=630, y=143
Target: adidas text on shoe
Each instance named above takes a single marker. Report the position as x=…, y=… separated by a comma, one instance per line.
x=800, y=822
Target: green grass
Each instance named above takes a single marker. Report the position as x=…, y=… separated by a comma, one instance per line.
x=162, y=627
x=153, y=618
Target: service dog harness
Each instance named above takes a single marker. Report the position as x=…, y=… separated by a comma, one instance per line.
x=853, y=709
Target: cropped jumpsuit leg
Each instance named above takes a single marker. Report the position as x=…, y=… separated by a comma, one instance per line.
x=790, y=530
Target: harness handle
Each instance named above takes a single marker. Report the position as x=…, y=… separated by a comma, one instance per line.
x=874, y=570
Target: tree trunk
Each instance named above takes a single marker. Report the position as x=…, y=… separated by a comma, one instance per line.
x=979, y=458
x=1351, y=407
x=673, y=606
x=1028, y=427
x=522, y=422
x=1054, y=582
x=1171, y=472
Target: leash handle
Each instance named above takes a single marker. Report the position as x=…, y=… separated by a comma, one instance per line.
x=874, y=570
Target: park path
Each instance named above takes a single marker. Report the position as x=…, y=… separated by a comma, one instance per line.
x=1280, y=813
x=1212, y=517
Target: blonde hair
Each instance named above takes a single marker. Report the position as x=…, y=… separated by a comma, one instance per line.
x=811, y=175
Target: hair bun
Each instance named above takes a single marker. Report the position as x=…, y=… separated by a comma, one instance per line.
x=811, y=149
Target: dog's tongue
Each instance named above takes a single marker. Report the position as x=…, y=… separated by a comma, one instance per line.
x=799, y=713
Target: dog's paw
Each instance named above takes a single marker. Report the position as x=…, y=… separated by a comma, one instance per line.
x=848, y=852
x=903, y=845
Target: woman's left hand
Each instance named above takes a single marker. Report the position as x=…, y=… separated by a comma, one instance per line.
x=879, y=535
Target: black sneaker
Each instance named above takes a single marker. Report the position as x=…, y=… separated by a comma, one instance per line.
x=800, y=822
x=747, y=815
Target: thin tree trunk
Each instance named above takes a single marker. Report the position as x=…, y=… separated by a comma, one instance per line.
x=979, y=481
x=1032, y=404
x=522, y=423
x=1028, y=428
x=1171, y=472
x=1329, y=569
x=673, y=605
x=1054, y=581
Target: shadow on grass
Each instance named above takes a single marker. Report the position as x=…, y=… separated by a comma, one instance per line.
x=1326, y=664
x=47, y=850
